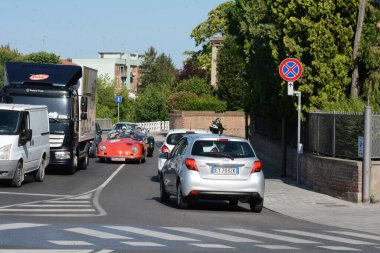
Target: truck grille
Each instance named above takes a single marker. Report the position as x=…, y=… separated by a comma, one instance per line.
x=56, y=140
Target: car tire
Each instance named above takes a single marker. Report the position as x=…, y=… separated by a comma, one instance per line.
x=39, y=174
x=18, y=177
x=233, y=202
x=164, y=196
x=182, y=202
x=256, y=204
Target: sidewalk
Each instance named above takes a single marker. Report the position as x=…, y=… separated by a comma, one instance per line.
x=283, y=195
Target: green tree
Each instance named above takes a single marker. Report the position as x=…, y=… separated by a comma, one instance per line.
x=232, y=85
x=157, y=70
x=195, y=84
x=7, y=54
x=151, y=105
x=43, y=57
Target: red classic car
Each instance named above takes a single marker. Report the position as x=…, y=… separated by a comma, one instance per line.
x=120, y=146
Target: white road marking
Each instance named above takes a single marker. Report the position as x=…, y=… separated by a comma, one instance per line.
x=211, y=246
x=268, y=235
x=215, y=235
x=71, y=243
x=338, y=248
x=34, y=194
x=98, y=234
x=144, y=244
x=67, y=202
x=360, y=235
x=164, y=236
x=326, y=237
x=85, y=196
x=20, y=225
x=281, y=247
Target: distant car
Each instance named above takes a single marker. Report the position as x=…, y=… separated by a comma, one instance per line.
x=97, y=140
x=121, y=147
x=129, y=125
x=171, y=139
x=210, y=166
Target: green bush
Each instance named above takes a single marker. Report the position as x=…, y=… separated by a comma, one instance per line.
x=208, y=103
x=181, y=100
x=345, y=104
x=195, y=84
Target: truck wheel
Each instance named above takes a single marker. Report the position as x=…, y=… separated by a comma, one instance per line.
x=39, y=175
x=19, y=175
x=74, y=165
x=85, y=161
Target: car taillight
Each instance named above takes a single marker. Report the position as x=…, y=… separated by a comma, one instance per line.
x=257, y=166
x=191, y=164
x=165, y=149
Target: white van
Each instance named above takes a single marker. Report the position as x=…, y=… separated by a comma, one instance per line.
x=24, y=142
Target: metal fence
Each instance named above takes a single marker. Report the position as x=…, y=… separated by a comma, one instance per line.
x=337, y=134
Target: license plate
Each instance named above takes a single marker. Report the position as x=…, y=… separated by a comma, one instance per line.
x=225, y=171
x=117, y=159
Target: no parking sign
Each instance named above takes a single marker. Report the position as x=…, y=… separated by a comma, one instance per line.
x=290, y=70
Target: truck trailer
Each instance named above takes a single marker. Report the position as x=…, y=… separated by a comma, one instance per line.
x=69, y=92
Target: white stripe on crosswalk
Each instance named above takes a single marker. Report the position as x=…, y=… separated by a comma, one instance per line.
x=98, y=234
x=338, y=248
x=20, y=225
x=69, y=201
x=160, y=235
x=86, y=196
x=326, y=237
x=71, y=243
x=215, y=235
x=211, y=246
x=365, y=236
x=268, y=235
x=282, y=247
x=143, y=244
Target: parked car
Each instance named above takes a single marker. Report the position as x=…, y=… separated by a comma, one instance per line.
x=171, y=139
x=209, y=166
x=121, y=147
x=97, y=139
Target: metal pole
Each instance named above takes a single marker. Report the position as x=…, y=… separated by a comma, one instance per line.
x=118, y=113
x=367, y=155
x=333, y=135
x=299, y=145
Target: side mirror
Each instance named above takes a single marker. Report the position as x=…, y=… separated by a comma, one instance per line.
x=164, y=155
x=25, y=137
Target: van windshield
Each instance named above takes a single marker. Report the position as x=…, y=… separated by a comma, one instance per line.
x=9, y=121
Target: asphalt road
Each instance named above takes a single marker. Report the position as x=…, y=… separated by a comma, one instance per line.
x=115, y=207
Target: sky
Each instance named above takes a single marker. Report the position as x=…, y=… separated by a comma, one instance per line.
x=82, y=28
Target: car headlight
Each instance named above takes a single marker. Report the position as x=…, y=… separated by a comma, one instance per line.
x=102, y=148
x=135, y=149
x=5, y=152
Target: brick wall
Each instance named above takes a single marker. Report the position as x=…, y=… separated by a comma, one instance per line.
x=336, y=177
x=233, y=121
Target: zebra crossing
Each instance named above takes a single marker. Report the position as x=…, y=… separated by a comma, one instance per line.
x=109, y=238
x=82, y=205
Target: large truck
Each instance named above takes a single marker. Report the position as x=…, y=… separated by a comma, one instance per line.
x=69, y=92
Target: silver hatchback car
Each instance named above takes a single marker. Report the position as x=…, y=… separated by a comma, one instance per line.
x=210, y=166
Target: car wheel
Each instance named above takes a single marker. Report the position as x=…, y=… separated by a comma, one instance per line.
x=102, y=160
x=164, y=196
x=19, y=175
x=233, y=202
x=39, y=175
x=256, y=204
x=182, y=202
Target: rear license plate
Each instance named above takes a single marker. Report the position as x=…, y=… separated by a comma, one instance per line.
x=117, y=159
x=224, y=171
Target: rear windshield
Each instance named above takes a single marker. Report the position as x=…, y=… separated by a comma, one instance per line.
x=174, y=138
x=235, y=149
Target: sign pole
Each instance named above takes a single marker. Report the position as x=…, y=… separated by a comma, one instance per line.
x=118, y=112
x=299, y=144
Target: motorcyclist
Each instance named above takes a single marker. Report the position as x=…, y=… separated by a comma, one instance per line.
x=217, y=127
